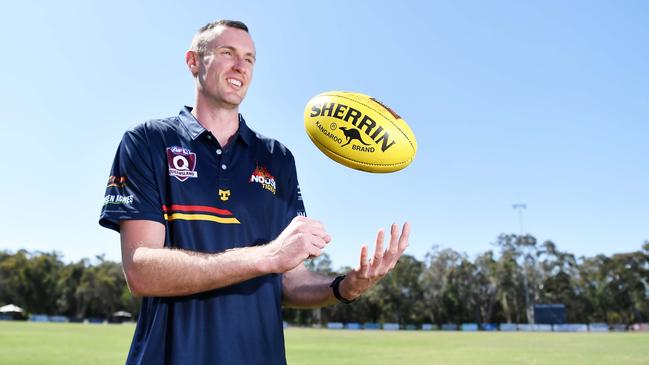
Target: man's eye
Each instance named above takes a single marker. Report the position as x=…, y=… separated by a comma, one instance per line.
x=226, y=52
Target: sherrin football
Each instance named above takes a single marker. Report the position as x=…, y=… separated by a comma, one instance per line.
x=359, y=132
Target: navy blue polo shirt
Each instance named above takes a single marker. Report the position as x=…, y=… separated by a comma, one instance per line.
x=210, y=199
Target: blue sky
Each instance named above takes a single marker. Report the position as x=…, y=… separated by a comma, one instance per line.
x=543, y=103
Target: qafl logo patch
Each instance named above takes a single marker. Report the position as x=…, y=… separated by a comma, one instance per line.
x=261, y=176
x=181, y=162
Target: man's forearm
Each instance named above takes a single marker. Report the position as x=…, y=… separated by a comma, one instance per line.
x=305, y=289
x=154, y=270
x=171, y=272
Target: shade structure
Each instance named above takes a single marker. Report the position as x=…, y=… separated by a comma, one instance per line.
x=122, y=314
x=10, y=308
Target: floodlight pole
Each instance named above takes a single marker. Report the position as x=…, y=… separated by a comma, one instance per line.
x=520, y=207
x=530, y=313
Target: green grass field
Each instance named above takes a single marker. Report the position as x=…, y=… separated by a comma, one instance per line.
x=55, y=343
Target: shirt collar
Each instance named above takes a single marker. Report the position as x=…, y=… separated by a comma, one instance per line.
x=195, y=129
x=190, y=123
x=245, y=133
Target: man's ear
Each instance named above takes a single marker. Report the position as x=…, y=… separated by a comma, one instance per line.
x=191, y=59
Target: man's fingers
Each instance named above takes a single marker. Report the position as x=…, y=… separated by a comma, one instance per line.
x=378, y=250
x=306, y=224
x=313, y=251
x=317, y=229
x=319, y=242
x=405, y=236
x=311, y=224
x=364, y=265
x=321, y=234
x=394, y=239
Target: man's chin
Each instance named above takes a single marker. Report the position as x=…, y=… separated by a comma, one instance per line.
x=234, y=99
x=227, y=101
x=233, y=104
x=230, y=102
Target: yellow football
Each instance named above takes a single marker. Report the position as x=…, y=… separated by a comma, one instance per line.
x=359, y=132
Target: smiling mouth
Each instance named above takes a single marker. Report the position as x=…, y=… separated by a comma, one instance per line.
x=234, y=82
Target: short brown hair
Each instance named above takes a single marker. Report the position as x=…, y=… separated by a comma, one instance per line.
x=203, y=37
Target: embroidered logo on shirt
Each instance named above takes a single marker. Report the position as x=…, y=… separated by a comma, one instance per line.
x=261, y=176
x=224, y=194
x=181, y=162
x=116, y=182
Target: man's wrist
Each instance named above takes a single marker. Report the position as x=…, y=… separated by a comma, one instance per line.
x=335, y=286
x=265, y=259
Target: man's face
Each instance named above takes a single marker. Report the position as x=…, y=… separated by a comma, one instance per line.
x=225, y=69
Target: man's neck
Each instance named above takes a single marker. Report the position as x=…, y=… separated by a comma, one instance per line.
x=222, y=122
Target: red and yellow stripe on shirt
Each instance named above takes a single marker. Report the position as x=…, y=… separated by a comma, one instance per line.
x=198, y=213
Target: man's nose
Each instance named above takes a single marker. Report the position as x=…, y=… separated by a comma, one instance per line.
x=240, y=65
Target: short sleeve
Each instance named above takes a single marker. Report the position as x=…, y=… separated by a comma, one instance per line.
x=295, y=202
x=132, y=191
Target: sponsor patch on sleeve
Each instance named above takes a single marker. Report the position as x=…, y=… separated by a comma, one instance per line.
x=118, y=199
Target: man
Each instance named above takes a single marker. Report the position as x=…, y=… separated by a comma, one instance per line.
x=212, y=224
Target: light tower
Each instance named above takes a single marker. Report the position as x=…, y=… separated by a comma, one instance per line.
x=527, y=254
x=520, y=207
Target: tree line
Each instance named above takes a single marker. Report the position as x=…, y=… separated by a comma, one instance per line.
x=497, y=286
x=501, y=285
x=41, y=283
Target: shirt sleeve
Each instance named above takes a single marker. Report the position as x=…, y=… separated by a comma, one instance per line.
x=132, y=191
x=295, y=202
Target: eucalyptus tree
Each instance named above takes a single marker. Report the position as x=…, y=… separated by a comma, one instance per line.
x=486, y=275
x=436, y=283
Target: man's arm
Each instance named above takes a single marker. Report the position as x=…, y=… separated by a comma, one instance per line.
x=154, y=270
x=304, y=289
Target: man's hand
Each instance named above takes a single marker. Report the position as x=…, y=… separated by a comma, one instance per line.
x=382, y=262
x=301, y=239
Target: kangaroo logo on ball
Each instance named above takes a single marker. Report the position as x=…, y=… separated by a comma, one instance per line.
x=352, y=134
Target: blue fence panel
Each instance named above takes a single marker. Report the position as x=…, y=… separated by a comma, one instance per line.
x=449, y=327
x=525, y=327
x=618, y=327
x=542, y=327
x=572, y=327
x=38, y=318
x=391, y=326
x=469, y=327
x=489, y=327
x=59, y=319
x=598, y=327
x=429, y=327
x=353, y=326
x=508, y=327
x=411, y=327
x=335, y=325
x=372, y=326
